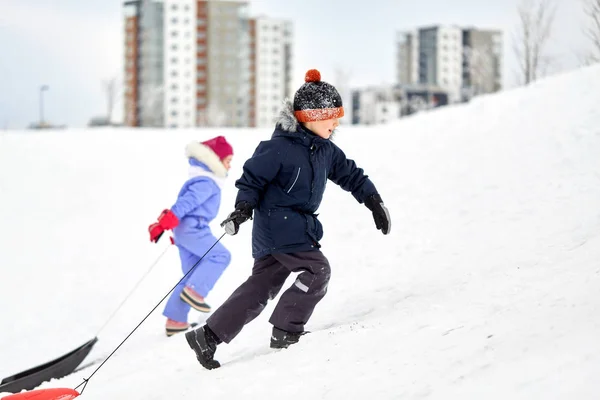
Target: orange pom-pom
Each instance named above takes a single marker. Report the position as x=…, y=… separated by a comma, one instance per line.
x=312, y=75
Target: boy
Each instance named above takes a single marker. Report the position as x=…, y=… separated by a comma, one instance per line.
x=283, y=184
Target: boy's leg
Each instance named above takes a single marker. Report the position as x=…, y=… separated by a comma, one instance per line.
x=297, y=303
x=249, y=299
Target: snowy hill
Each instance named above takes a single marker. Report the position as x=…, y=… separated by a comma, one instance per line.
x=486, y=288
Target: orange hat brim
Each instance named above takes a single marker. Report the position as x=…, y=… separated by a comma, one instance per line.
x=319, y=114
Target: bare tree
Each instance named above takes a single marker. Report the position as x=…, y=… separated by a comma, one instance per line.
x=480, y=64
x=110, y=87
x=591, y=9
x=212, y=116
x=536, y=18
x=151, y=103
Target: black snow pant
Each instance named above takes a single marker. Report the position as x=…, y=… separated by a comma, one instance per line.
x=269, y=273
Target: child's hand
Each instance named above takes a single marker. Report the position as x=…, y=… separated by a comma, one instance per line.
x=155, y=231
x=166, y=220
x=241, y=214
x=381, y=216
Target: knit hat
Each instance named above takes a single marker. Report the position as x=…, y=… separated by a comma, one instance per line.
x=317, y=100
x=220, y=146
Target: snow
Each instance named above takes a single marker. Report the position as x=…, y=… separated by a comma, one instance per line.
x=487, y=286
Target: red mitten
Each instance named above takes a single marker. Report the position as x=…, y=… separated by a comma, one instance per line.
x=166, y=220
x=156, y=232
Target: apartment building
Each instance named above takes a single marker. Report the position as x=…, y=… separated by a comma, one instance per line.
x=463, y=61
x=203, y=63
x=382, y=104
x=271, y=74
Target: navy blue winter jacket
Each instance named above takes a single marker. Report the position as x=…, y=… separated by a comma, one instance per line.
x=284, y=182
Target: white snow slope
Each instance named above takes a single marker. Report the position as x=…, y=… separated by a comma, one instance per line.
x=488, y=286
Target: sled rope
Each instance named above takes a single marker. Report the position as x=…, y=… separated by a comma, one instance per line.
x=86, y=380
x=133, y=290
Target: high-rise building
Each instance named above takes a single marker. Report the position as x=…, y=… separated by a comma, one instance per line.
x=271, y=49
x=462, y=61
x=203, y=63
x=144, y=74
x=407, y=61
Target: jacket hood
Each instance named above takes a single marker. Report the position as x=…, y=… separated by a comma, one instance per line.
x=287, y=125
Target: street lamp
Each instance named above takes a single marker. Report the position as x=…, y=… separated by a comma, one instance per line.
x=42, y=89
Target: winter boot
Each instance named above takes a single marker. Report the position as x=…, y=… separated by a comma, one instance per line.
x=204, y=343
x=196, y=301
x=281, y=339
x=172, y=327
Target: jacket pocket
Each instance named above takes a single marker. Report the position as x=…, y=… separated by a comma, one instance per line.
x=294, y=180
x=287, y=228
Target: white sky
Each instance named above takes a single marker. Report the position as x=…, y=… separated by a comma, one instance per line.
x=72, y=45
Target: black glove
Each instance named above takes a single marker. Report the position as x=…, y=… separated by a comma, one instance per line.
x=380, y=213
x=241, y=214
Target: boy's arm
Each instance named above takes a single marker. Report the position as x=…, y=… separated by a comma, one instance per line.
x=258, y=171
x=345, y=173
x=349, y=177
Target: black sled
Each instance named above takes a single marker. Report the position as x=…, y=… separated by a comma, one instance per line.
x=55, y=369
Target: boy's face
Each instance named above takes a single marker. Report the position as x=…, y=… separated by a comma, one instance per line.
x=227, y=162
x=323, y=128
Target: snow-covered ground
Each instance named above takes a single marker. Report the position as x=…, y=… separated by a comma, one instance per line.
x=488, y=286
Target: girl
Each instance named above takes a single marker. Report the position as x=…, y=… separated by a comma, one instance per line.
x=196, y=206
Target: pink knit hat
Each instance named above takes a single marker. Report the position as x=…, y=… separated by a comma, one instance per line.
x=220, y=146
